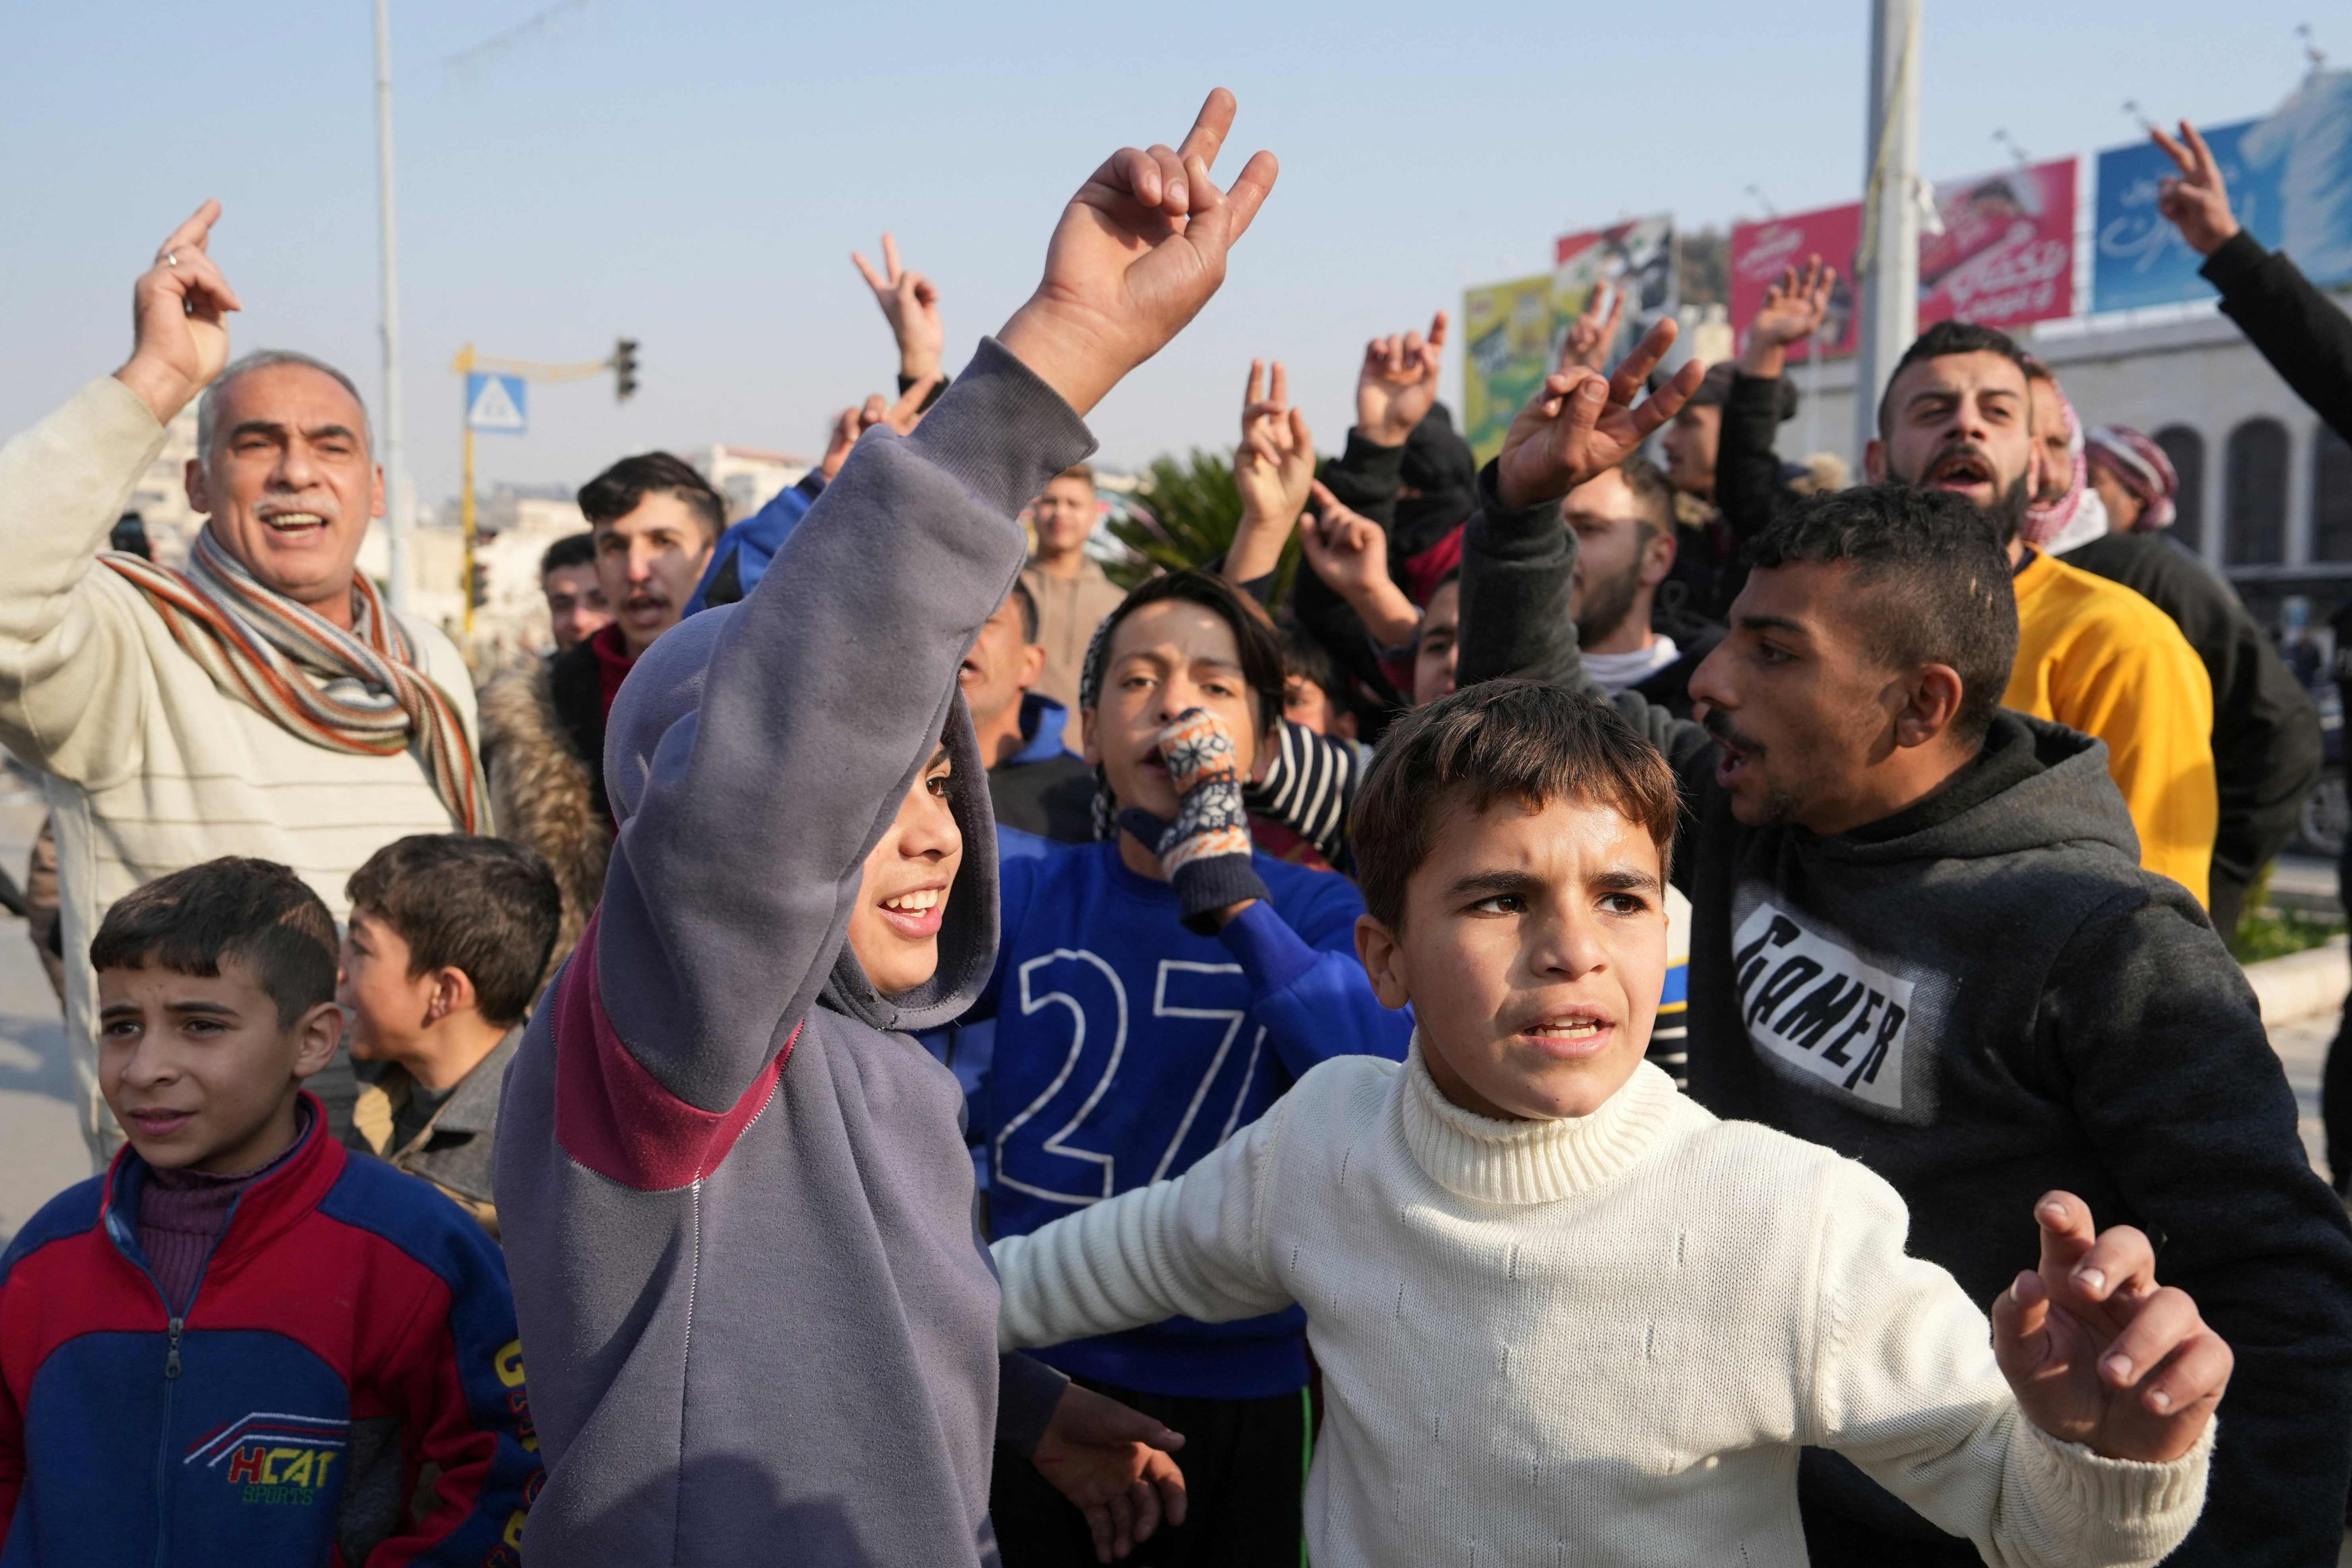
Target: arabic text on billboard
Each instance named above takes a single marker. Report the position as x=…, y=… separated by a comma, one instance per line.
x=2006, y=255
x=2290, y=181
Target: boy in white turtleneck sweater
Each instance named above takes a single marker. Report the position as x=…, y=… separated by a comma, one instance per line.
x=1563, y=1314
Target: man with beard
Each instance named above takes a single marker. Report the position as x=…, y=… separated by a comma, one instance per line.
x=1624, y=523
x=654, y=523
x=2091, y=654
x=1919, y=937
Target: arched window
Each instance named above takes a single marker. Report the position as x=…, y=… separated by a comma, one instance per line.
x=2185, y=447
x=2331, y=496
x=2253, y=496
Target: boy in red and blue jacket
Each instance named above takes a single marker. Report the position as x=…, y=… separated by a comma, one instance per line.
x=240, y=1345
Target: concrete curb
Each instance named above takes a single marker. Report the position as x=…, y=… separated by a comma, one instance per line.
x=2303, y=985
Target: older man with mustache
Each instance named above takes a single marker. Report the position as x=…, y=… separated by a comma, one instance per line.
x=263, y=702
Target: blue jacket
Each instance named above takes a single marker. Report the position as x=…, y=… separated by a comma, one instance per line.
x=349, y=1316
x=1126, y=1047
x=741, y=558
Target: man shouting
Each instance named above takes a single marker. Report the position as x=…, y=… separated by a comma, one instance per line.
x=263, y=702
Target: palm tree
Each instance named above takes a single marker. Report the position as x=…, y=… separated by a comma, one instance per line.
x=1185, y=515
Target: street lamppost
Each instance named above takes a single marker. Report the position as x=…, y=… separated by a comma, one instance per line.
x=1888, y=259
x=397, y=499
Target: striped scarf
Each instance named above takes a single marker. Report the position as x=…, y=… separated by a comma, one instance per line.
x=358, y=691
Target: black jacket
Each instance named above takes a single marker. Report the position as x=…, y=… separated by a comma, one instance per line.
x=2306, y=336
x=1748, y=484
x=1985, y=998
x=2267, y=747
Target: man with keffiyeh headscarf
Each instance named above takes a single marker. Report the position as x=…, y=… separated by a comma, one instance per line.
x=263, y=702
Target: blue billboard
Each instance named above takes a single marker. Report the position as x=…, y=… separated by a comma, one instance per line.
x=2290, y=179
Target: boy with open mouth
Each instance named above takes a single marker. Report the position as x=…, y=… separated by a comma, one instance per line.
x=1564, y=1314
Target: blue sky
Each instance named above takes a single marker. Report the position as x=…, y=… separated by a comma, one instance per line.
x=694, y=174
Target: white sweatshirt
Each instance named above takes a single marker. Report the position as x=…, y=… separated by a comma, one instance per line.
x=1599, y=1340
x=150, y=767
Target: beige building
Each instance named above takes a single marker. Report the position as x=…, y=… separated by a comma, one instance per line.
x=160, y=496
x=749, y=478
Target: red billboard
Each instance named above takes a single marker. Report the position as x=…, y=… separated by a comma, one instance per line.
x=2006, y=255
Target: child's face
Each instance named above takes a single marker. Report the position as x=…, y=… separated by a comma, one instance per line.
x=1533, y=952
x=389, y=1008
x=1305, y=703
x=1433, y=652
x=198, y=1071
x=894, y=928
x=1166, y=658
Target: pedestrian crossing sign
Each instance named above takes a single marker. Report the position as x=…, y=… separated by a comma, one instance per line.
x=494, y=404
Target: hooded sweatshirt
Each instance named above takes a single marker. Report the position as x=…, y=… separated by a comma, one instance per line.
x=1984, y=997
x=734, y=1192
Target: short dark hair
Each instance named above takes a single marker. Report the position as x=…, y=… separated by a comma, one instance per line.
x=1254, y=636
x=1304, y=657
x=1527, y=740
x=1942, y=340
x=571, y=550
x=621, y=488
x=1935, y=578
x=1022, y=596
x=484, y=906
x=256, y=913
x=1653, y=496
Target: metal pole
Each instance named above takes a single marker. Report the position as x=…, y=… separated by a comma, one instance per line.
x=396, y=498
x=1889, y=262
x=466, y=494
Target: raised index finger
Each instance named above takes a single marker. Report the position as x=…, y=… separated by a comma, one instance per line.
x=197, y=231
x=1210, y=127
x=2066, y=1232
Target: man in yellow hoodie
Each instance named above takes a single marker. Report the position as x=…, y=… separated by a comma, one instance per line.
x=2091, y=654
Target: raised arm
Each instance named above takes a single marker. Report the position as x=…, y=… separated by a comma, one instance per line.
x=910, y=303
x=1273, y=466
x=732, y=879
x=1747, y=466
x=72, y=687
x=2305, y=336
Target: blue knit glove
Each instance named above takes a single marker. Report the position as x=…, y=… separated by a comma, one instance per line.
x=1205, y=852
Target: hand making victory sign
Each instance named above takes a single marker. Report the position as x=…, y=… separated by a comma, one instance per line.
x=1272, y=468
x=1138, y=252
x=179, y=315
x=2100, y=1354
x=1398, y=385
x=1794, y=308
x=1594, y=330
x=2198, y=201
x=1580, y=423
x=910, y=303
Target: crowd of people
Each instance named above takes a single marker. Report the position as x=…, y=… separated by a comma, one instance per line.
x=1635, y=1002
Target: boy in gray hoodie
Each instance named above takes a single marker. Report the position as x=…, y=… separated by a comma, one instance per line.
x=737, y=1209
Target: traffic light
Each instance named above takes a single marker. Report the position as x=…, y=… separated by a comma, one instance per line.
x=625, y=370
x=479, y=590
